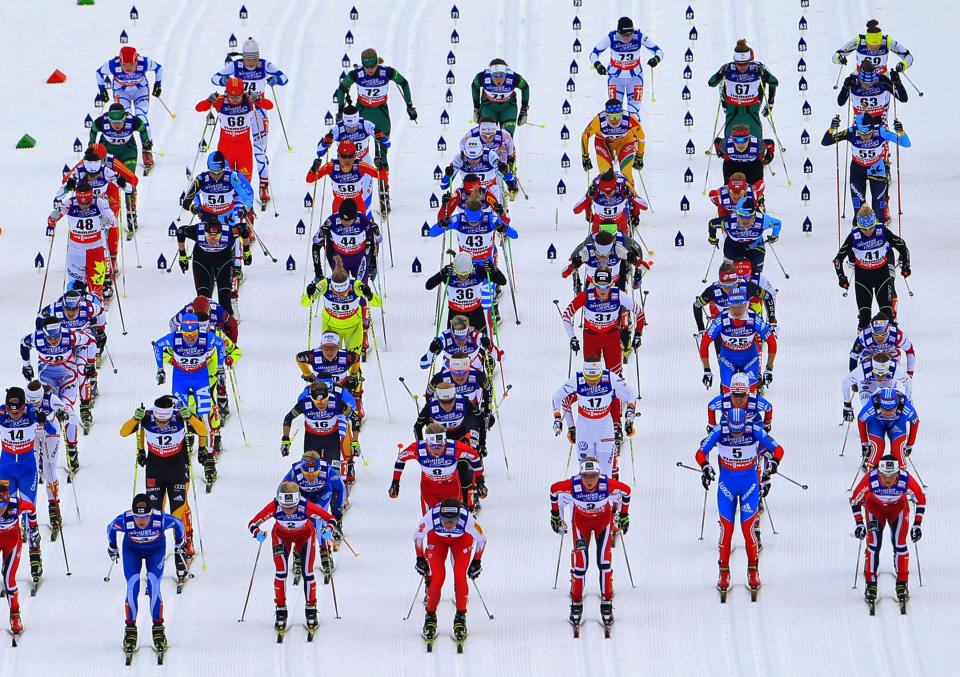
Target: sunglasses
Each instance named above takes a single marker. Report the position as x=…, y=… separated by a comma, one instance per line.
x=741, y=139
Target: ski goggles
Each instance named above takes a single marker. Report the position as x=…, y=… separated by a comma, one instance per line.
x=498, y=71
x=740, y=139
x=866, y=222
x=288, y=499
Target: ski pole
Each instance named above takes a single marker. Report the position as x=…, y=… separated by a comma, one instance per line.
x=260, y=133
x=136, y=245
x=777, y=257
x=907, y=78
x=847, y=435
x=416, y=404
x=792, y=481
x=383, y=384
x=116, y=295
x=855, y=478
x=646, y=196
x=165, y=107
x=414, y=600
x=703, y=517
x=653, y=98
x=846, y=153
x=196, y=514
x=905, y=282
x=837, y=156
x=263, y=246
x=106, y=579
x=506, y=393
x=919, y=479
x=556, y=578
x=46, y=272
x=836, y=85
x=280, y=116
x=489, y=615
x=106, y=350
x=201, y=147
x=250, y=587
x=66, y=562
x=503, y=444
x=710, y=263
x=775, y=135
x=236, y=404
x=333, y=592
x=556, y=302
x=385, y=213
x=626, y=558
x=769, y=516
x=716, y=122
x=513, y=278
x=633, y=462
x=681, y=464
x=520, y=186
x=856, y=568
x=916, y=553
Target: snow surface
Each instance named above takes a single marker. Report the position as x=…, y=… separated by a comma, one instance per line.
x=807, y=616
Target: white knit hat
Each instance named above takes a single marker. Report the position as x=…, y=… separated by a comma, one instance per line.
x=251, y=50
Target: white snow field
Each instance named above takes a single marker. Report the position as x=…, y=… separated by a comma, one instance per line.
x=807, y=617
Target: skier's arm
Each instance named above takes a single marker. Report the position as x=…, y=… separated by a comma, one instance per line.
x=699, y=304
x=571, y=310
x=897, y=243
x=524, y=88
x=479, y=540
x=171, y=522
x=401, y=81
x=343, y=90
x=292, y=414
x=278, y=76
x=601, y=46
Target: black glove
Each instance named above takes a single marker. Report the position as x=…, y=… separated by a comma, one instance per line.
x=103, y=95
x=768, y=375
x=482, y=487
x=316, y=165
x=448, y=270
x=840, y=58
x=285, y=445
x=444, y=222
x=101, y=338
x=860, y=532
x=843, y=281
x=212, y=98
x=707, y=475
x=898, y=127
x=192, y=206
x=905, y=269
x=161, y=377
x=41, y=416
x=637, y=340
x=849, y=82
x=653, y=62
x=835, y=122
x=70, y=185
x=411, y=112
x=900, y=67
x=600, y=68
x=476, y=114
x=916, y=533
x=141, y=457
x=575, y=344
x=156, y=89
x=148, y=145
x=623, y=521
x=27, y=372
x=556, y=523
x=394, y=489
x=311, y=289
x=436, y=345
x=772, y=466
x=485, y=342
x=625, y=338
x=572, y=434
x=847, y=412
x=522, y=119
x=184, y=261
x=113, y=553
x=367, y=292
x=707, y=377
x=587, y=163
x=473, y=571
x=422, y=566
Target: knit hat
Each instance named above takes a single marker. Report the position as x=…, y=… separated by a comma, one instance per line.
x=251, y=50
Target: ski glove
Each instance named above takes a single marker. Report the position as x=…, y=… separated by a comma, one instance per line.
x=557, y=425
x=157, y=89
x=772, y=466
x=139, y=413
x=141, y=458
x=316, y=165
x=623, y=522
x=572, y=434
x=186, y=413
x=184, y=261
x=436, y=345
x=161, y=377
x=707, y=377
x=285, y=445
x=27, y=372
x=556, y=523
x=411, y=112
x=768, y=375
x=767, y=109
x=835, y=122
x=522, y=119
x=103, y=96
x=840, y=58
x=422, y=566
x=907, y=449
x=587, y=163
x=476, y=113
x=394, y=489
x=600, y=68
x=772, y=239
x=860, y=532
x=473, y=571
x=114, y=553
x=575, y=344
x=916, y=533
x=843, y=281
x=653, y=62
x=847, y=412
x=260, y=536
x=898, y=127
x=707, y=475
x=482, y=487
x=637, y=340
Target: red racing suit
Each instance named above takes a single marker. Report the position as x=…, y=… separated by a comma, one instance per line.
x=440, y=475
x=437, y=543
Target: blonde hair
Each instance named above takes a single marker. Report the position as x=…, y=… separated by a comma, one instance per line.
x=289, y=487
x=865, y=210
x=434, y=429
x=339, y=272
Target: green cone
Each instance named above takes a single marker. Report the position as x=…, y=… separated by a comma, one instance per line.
x=26, y=141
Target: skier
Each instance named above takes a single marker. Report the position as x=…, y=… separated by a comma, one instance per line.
x=61, y=357
x=326, y=428
x=163, y=453
x=448, y=530
x=600, y=510
x=455, y=199
x=606, y=321
x=189, y=351
x=219, y=190
x=475, y=158
x=869, y=92
x=351, y=127
x=888, y=414
x=88, y=217
x=350, y=178
x=495, y=96
x=871, y=375
x=625, y=73
x=493, y=138
x=460, y=417
x=372, y=79
x=293, y=531
x=743, y=234
x=464, y=281
x=116, y=129
x=321, y=485
x=256, y=75
x=476, y=229
x=459, y=337
x=744, y=153
x=883, y=498
x=130, y=85
x=744, y=83
x=449, y=468
x=345, y=302
x=342, y=366
x=20, y=423
x=473, y=383
x=883, y=336
x=217, y=316
x=618, y=252
x=728, y=195
x=351, y=235
x=239, y=119
x=618, y=144
x=742, y=395
x=738, y=443
x=740, y=332
x=213, y=254
x=611, y=198
x=868, y=160
x=868, y=246
x=42, y=398
x=875, y=47
x=717, y=296
x=11, y=545
x=596, y=430
x=143, y=545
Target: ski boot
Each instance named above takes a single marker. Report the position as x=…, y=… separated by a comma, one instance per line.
x=129, y=638
x=264, y=193
x=188, y=550
x=430, y=625
x=460, y=626
x=280, y=624
x=86, y=416
x=16, y=627
x=723, y=583
x=223, y=403
x=73, y=458
x=209, y=473
x=606, y=615
x=56, y=521
x=131, y=225
x=311, y=614
x=576, y=613
x=326, y=564
x=753, y=581
x=159, y=636
x=350, y=478
x=217, y=445
x=108, y=288
x=384, y=200
x=247, y=255
x=870, y=592
x=36, y=562
x=148, y=162
x=903, y=595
